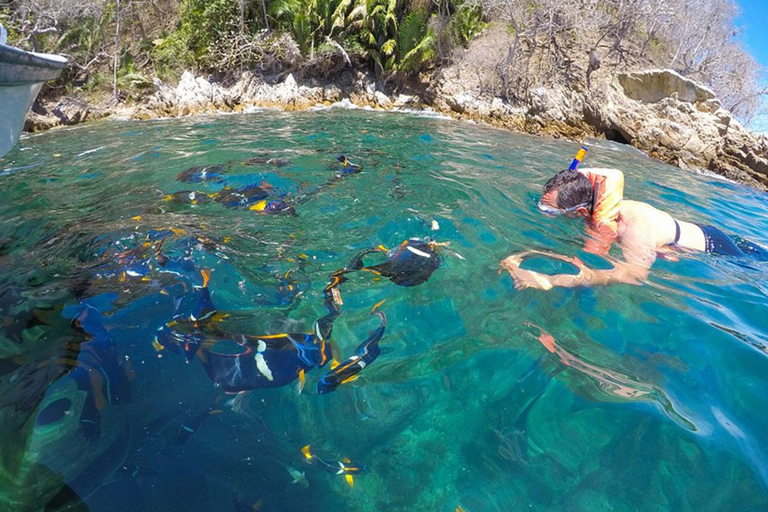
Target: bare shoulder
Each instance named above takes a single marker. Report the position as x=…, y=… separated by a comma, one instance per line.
x=636, y=211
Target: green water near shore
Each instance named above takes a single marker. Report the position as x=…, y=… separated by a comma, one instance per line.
x=653, y=400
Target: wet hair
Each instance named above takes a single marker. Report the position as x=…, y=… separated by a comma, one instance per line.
x=573, y=188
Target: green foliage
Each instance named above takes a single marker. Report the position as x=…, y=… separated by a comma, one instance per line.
x=203, y=22
x=302, y=31
x=416, y=43
x=10, y=24
x=82, y=39
x=97, y=81
x=215, y=35
x=466, y=23
x=310, y=22
x=376, y=23
x=170, y=54
x=129, y=80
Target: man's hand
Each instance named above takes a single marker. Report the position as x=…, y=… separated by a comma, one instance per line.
x=525, y=278
x=622, y=272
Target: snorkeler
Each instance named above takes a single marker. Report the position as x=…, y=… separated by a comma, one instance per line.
x=642, y=231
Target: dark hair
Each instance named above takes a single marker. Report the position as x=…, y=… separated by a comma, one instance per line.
x=573, y=188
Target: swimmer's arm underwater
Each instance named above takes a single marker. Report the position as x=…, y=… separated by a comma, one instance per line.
x=623, y=272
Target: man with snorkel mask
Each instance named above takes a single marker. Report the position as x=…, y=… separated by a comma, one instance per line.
x=642, y=231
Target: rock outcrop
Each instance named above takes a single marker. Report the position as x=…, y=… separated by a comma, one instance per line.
x=655, y=85
x=71, y=110
x=679, y=121
x=67, y=111
x=670, y=117
x=196, y=95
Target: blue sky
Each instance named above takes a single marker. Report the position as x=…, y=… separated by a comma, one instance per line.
x=754, y=21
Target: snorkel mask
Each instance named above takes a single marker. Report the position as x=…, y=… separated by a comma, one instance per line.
x=552, y=210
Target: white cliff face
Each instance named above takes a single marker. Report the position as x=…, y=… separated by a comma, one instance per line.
x=680, y=121
x=196, y=94
x=654, y=85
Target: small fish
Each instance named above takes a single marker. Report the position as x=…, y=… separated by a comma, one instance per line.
x=256, y=160
x=410, y=264
x=274, y=206
x=297, y=477
x=206, y=308
x=348, y=167
x=300, y=382
x=267, y=361
x=278, y=162
x=350, y=369
x=244, y=196
x=201, y=173
x=343, y=467
x=188, y=197
x=189, y=427
x=241, y=505
x=270, y=360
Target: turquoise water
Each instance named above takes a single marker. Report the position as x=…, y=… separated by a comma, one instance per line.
x=653, y=398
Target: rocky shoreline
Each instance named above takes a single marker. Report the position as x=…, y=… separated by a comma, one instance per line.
x=657, y=111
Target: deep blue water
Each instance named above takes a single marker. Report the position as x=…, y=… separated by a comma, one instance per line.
x=651, y=398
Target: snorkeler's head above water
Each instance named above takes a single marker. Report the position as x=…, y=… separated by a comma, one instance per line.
x=567, y=192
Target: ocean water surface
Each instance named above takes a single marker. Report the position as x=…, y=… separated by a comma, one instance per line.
x=641, y=398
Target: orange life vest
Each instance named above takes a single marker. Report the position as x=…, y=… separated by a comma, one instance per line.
x=608, y=187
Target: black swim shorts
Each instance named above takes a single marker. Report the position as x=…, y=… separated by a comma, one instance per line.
x=717, y=242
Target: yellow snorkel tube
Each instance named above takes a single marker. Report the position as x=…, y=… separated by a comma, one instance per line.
x=580, y=154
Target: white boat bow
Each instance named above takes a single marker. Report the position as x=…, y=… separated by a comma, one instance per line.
x=22, y=75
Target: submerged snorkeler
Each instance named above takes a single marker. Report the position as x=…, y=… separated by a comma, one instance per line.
x=642, y=231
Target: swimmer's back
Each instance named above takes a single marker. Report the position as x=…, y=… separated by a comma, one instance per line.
x=638, y=219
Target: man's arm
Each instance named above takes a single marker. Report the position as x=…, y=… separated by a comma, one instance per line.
x=623, y=272
x=638, y=245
